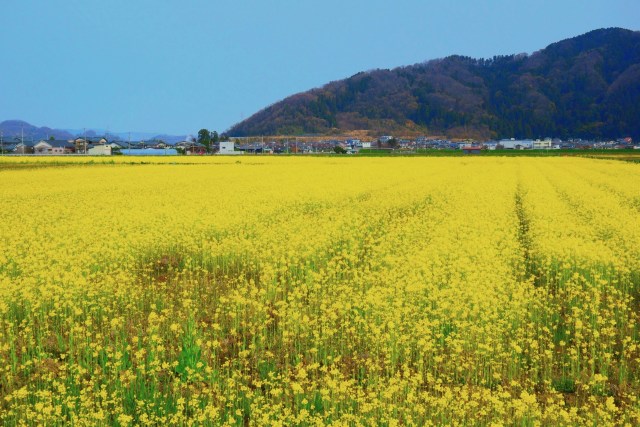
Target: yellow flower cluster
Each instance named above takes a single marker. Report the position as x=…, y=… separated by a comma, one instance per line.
x=319, y=291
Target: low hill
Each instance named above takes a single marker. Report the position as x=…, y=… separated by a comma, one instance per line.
x=13, y=130
x=587, y=86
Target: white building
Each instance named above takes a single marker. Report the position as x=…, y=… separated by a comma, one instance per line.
x=100, y=150
x=516, y=144
x=227, y=147
x=545, y=144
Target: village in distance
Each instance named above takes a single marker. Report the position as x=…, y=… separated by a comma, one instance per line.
x=209, y=142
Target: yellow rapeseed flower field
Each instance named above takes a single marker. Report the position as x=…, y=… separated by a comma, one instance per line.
x=319, y=291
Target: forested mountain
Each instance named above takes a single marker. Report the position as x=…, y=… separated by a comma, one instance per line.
x=587, y=86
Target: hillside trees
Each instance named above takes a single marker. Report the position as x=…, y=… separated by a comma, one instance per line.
x=204, y=138
x=582, y=87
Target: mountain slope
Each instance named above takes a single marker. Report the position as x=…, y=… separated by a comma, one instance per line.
x=12, y=130
x=15, y=129
x=587, y=86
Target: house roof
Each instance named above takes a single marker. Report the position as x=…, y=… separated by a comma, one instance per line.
x=90, y=139
x=121, y=144
x=57, y=143
x=17, y=143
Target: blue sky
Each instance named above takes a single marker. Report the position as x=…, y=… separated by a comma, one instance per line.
x=177, y=66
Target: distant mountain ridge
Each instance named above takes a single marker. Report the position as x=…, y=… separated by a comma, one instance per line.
x=586, y=86
x=15, y=129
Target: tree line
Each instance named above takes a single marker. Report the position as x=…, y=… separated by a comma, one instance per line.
x=210, y=138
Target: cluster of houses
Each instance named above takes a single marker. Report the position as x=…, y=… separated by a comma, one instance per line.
x=553, y=144
x=101, y=146
x=388, y=142
x=54, y=146
x=502, y=144
x=514, y=144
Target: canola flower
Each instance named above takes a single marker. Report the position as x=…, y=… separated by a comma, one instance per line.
x=319, y=291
